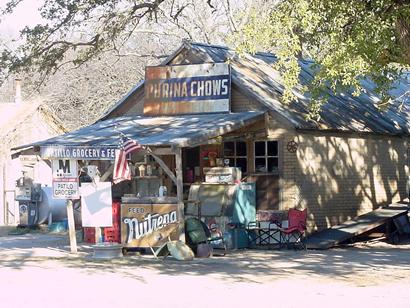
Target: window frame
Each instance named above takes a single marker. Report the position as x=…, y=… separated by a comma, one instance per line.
x=234, y=157
x=266, y=156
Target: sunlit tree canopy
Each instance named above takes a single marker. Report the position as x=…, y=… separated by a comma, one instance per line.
x=348, y=41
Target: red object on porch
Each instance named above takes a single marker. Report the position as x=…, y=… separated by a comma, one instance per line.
x=112, y=234
x=89, y=235
x=294, y=233
x=116, y=207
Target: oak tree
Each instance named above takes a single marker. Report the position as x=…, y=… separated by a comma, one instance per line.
x=347, y=40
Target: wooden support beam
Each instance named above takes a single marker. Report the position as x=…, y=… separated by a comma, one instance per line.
x=97, y=235
x=217, y=140
x=156, y=158
x=181, y=225
x=180, y=186
x=163, y=166
x=162, y=151
x=107, y=173
x=71, y=226
x=180, y=193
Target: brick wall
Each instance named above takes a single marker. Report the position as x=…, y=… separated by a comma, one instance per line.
x=280, y=130
x=338, y=177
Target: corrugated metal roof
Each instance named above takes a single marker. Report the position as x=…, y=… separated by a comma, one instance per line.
x=256, y=77
x=343, y=112
x=184, y=130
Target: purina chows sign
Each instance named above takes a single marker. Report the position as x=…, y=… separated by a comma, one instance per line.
x=198, y=88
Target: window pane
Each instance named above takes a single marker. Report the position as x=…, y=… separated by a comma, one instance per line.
x=229, y=149
x=273, y=164
x=260, y=164
x=260, y=148
x=272, y=148
x=240, y=148
x=242, y=163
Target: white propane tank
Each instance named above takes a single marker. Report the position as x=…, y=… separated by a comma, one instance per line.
x=56, y=207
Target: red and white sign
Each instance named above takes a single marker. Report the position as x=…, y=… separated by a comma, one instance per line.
x=64, y=189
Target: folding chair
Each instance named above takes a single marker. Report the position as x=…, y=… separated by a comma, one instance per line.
x=215, y=239
x=294, y=234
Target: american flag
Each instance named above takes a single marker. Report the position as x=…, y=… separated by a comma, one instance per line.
x=122, y=171
x=130, y=145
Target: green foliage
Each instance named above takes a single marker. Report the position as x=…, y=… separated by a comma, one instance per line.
x=348, y=40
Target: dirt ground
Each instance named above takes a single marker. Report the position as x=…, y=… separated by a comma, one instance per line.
x=38, y=270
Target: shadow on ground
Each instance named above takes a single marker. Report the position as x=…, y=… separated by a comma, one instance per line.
x=373, y=261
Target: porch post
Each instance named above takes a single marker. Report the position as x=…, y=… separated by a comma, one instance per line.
x=71, y=226
x=178, y=163
x=180, y=193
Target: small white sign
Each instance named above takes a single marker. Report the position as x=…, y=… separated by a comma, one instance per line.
x=65, y=189
x=64, y=168
x=96, y=204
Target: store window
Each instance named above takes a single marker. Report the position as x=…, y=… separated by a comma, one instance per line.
x=266, y=156
x=236, y=152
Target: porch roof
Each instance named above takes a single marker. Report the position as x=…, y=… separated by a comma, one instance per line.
x=181, y=130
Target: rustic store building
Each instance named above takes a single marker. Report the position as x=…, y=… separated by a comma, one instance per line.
x=23, y=122
x=354, y=159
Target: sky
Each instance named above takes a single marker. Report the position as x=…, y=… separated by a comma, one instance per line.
x=25, y=14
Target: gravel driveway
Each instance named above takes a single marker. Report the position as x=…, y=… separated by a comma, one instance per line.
x=38, y=270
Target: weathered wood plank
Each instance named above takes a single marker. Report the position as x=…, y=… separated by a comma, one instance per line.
x=180, y=186
x=107, y=173
x=359, y=225
x=163, y=166
x=71, y=226
x=162, y=151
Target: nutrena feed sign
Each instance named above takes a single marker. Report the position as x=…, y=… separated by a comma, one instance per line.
x=149, y=225
x=199, y=88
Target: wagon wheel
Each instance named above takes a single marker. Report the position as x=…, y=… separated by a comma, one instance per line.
x=292, y=146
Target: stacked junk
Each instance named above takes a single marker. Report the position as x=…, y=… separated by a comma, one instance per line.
x=37, y=206
x=224, y=205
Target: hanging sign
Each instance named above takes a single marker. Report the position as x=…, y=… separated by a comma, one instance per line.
x=65, y=179
x=64, y=189
x=179, y=89
x=64, y=168
x=79, y=152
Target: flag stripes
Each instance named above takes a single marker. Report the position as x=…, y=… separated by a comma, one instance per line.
x=130, y=146
x=122, y=171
